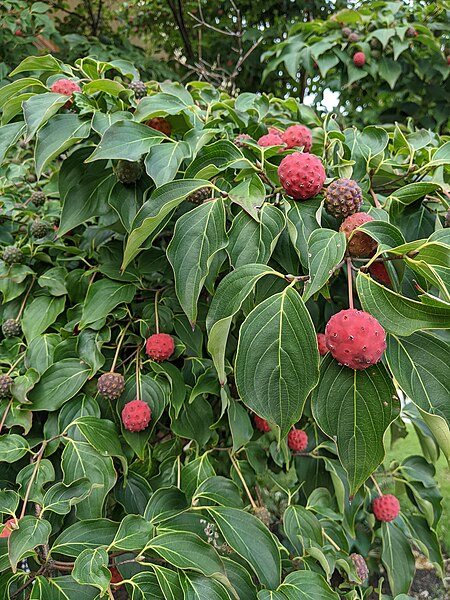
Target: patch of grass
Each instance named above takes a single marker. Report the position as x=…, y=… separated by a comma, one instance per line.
x=410, y=445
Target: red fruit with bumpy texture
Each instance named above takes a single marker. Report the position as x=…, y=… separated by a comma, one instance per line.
x=386, y=508
x=297, y=440
x=343, y=197
x=360, y=244
x=65, y=87
x=379, y=271
x=116, y=577
x=355, y=338
x=275, y=131
x=136, y=415
x=160, y=346
x=8, y=527
x=160, y=124
x=261, y=424
x=302, y=175
x=359, y=59
x=270, y=140
x=241, y=139
x=298, y=135
x=322, y=344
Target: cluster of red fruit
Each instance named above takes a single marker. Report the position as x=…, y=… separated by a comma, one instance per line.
x=136, y=414
x=297, y=438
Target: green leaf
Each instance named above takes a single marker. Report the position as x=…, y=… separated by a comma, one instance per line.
x=169, y=582
x=61, y=588
x=195, y=472
x=305, y=585
x=90, y=533
x=277, y=359
x=302, y=528
x=40, y=314
x=126, y=140
x=411, y=192
x=419, y=365
x=81, y=460
x=226, y=302
x=240, y=425
x=301, y=222
x=9, y=134
x=9, y=501
x=186, y=550
x=12, y=90
x=163, y=161
x=44, y=473
x=56, y=136
x=91, y=568
x=38, y=63
x=355, y=408
x=253, y=241
x=240, y=579
x=218, y=490
x=215, y=158
x=103, y=436
x=196, y=587
x=38, y=109
x=389, y=70
x=59, y=383
x=249, y=195
x=145, y=586
x=252, y=541
x=326, y=249
x=159, y=105
x=386, y=305
x=384, y=233
x=165, y=503
x=133, y=534
x=61, y=497
x=397, y=557
x=102, y=297
x=198, y=236
x=153, y=212
x=12, y=447
x=31, y=532
x=84, y=190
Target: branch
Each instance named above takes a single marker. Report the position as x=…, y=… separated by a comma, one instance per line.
x=182, y=27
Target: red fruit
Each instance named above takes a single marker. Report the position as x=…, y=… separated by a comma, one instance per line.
x=136, y=415
x=359, y=59
x=116, y=577
x=160, y=346
x=19, y=33
x=7, y=528
x=65, y=87
x=386, y=508
x=360, y=244
x=261, y=424
x=275, y=131
x=379, y=271
x=355, y=338
x=298, y=135
x=271, y=139
x=302, y=175
x=297, y=440
x=448, y=60
x=160, y=124
x=322, y=344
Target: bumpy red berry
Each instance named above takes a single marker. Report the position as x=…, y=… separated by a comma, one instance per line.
x=343, y=197
x=359, y=59
x=386, y=508
x=8, y=526
x=261, y=424
x=116, y=577
x=111, y=385
x=360, y=566
x=379, y=271
x=160, y=124
x=360, y=244
x=355, y=338
x=160, y=346
x=322, y=344
x=66, y=87
x=275, y=131
x=302, y=175
x=297, y=440
x=136, y=415
x=270, y=140
x=298, y=135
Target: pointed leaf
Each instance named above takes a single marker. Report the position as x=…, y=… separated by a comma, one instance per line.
x=126, y=140
x=31, y=532
x=326, y=249
x=277, y=359
x=91, y=567
x=102, y=297
x=60, y=382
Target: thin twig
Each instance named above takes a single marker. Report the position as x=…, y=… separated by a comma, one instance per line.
x=375, y=199
x=119, y=344
x=33, y=476
x=25, y=299
x=377, y=487
x=244, y=483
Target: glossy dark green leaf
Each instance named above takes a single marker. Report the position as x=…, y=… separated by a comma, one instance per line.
x=60, y=382
x=40, y=314
x=60, y=498
x=133, y=534
x=103, y=296
x=31, y=532
x=126, y=140
x=90, y=533
x=326, y=249
x=397, y=558
x=355, y=408
x=91, y=567
x=277, y=359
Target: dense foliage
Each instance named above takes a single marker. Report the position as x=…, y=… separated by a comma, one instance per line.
x=195, y=238
x=406, y=71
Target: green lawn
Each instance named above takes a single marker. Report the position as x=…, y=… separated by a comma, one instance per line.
x=410, y=445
